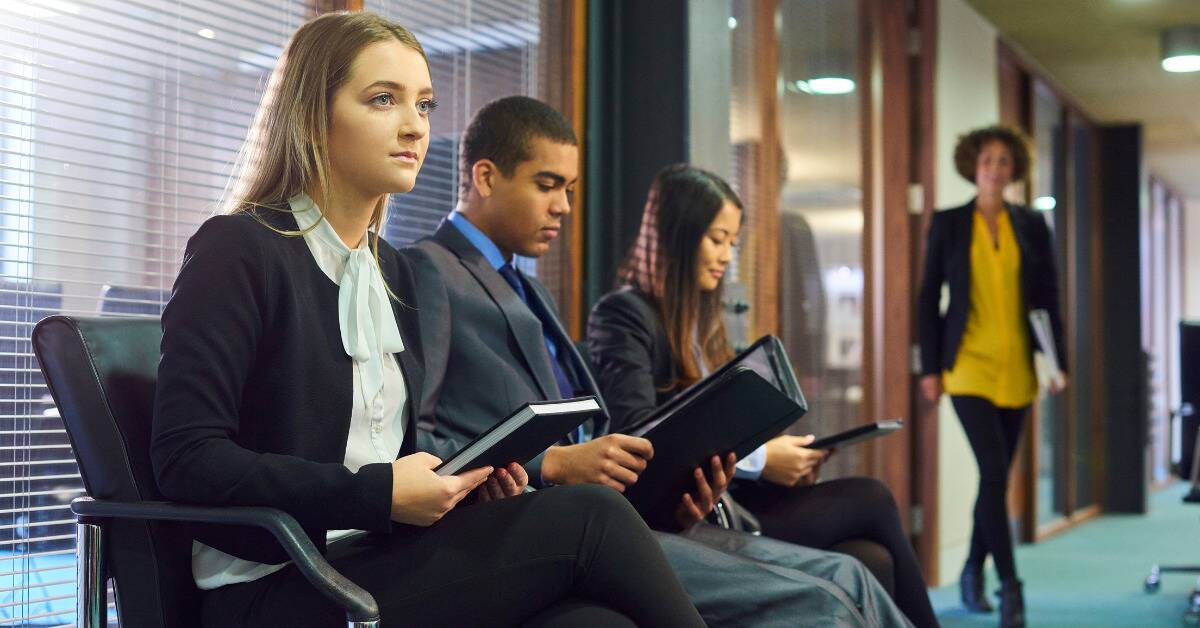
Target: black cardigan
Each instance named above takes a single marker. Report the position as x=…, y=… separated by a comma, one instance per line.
x=948, y=259
x=254, y=388
x=631, y=355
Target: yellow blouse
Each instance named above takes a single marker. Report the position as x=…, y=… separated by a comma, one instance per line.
x=995, y=360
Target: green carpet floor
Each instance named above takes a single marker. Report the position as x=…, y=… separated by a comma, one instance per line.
x=1092, y=575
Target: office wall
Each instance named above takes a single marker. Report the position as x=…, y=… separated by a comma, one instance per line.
x=966, y=96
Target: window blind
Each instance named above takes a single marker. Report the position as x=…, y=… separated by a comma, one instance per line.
x=118, y=123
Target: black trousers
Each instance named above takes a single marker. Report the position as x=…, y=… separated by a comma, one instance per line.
x=566, y=556
x=994, y=434
x=856, y=516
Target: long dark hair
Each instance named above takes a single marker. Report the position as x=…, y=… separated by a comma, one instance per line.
x=682, y=204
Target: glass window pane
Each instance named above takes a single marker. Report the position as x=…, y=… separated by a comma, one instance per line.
x=1049, y=182
x=821, y=221
x=118, y=122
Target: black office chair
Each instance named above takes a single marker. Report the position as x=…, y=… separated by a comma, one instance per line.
x=101, y=373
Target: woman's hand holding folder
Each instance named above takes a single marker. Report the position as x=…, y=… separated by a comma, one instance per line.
x=790, y=463
x=420, y=497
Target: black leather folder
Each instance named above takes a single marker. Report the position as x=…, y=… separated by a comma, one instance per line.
x=858, y=434
x=523, y=435
x=735, y=410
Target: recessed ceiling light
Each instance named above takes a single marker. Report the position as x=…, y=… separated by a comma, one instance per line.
x=825, y=85
x=732, y=23
x=1182, y=63
x=207, y=33
x=1181, y=49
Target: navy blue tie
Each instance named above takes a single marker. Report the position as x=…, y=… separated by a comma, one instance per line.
x=565, y=388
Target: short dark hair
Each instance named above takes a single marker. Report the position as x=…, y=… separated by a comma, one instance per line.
x=966, y=153
x=502, y=130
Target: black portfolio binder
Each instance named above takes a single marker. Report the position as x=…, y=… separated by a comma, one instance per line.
x=735, y=410
x=523, y=435
x=858, y=434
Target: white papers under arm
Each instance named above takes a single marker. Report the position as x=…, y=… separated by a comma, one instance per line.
x=1048, y=367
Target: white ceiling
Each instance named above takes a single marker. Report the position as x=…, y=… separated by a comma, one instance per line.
x=1105, y=55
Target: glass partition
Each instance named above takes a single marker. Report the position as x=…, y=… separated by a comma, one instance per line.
x=1048, y=187
x=819, y=151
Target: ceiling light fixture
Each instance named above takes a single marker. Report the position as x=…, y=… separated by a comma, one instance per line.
x=823, y=86
x=1181, y=49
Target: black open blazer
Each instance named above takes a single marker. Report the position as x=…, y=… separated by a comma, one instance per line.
x=948, y=260
x=631, y=354
x=255, y=389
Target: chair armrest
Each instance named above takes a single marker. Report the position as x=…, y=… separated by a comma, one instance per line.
x=360, y=606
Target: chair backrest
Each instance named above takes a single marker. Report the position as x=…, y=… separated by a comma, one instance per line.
x=101, y=373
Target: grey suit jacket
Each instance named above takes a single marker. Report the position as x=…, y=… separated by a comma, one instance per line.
x=484, y=349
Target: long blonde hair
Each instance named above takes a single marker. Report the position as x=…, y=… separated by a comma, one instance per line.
x=287, y=146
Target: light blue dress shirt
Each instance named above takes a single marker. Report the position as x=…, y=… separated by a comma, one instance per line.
x=495, y=259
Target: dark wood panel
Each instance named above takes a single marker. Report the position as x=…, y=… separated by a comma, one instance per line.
x=562, y=74
x=887, y=241
x=925, y=413
x=764, y=219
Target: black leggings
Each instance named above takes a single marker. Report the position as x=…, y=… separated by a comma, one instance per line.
x=994, y=434
x=852, y=515
x=566, y=556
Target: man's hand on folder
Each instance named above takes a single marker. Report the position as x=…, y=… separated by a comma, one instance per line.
x=695, y=506
x=614, y=460
x=420, y=496
x=789, y=462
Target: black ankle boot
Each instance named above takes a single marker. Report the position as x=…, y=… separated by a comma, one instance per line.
x=970, y=586
x=1012, y=604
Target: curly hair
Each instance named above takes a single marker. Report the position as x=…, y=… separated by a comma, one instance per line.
x=966, y=152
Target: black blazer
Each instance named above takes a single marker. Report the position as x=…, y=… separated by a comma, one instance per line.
x=948, y=260
x=631, y=354
x=254, y=388
x=485, y=352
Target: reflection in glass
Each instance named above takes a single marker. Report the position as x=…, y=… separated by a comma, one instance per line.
x=821, y=222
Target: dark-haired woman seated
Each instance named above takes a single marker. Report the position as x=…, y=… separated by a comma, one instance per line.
x=661, y=330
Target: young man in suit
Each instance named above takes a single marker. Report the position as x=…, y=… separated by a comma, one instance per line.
x=492, y=342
